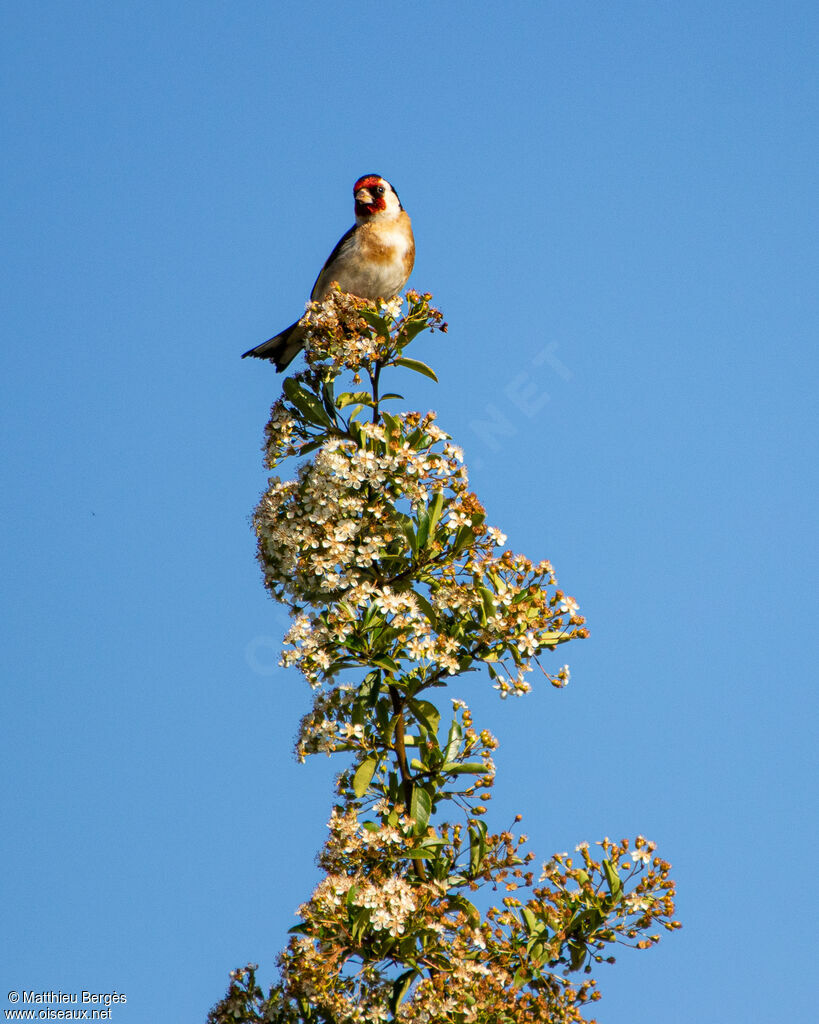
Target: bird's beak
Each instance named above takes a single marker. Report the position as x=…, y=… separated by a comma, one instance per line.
x=363, y=196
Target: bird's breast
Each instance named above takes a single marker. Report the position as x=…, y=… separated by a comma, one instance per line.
x=380, y=263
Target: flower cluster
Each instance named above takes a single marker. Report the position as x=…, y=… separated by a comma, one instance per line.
x=496, y=966
x=323, y=533
x=396, y=584
x=348, y=332
x=383, y=536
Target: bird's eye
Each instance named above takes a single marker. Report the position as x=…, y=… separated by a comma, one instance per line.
x=379, y=190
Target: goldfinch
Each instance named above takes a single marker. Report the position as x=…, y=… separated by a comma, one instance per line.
x=372, y=260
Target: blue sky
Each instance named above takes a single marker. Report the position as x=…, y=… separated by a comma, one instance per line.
x=615, y=207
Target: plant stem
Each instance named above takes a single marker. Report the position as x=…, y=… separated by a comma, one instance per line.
x=403, y=767
x=374, y=375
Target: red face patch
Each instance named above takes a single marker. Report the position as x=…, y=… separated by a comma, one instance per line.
x=368, y=181
x=371, y=182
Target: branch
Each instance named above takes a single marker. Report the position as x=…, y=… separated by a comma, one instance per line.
x=403, y=767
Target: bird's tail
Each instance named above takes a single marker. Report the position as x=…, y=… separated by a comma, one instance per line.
x=282, y=349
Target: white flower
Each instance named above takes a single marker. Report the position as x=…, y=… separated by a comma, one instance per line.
x=637, y=904
x=435, y=433
x=454, y=452
x=458, y=518
x=527, y=644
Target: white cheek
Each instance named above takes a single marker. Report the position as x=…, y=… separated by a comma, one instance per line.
x=393, y=206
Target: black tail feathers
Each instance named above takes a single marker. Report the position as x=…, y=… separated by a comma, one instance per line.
x=282, y=349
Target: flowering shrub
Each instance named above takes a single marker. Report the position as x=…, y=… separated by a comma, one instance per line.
x=395, y=583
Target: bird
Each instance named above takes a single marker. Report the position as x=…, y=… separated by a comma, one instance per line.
x=372, y=260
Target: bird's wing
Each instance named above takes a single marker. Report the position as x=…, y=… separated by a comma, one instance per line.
x=327, y=274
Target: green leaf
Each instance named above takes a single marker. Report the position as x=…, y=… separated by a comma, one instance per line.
x=428, y=519
x=414, y=439
x=453, y=740
x=427, y=714
x=471, y=768
x=308, y=405
x=350, y=397
x=392, y=423
x=463, y=537
x=410, y=329
x=537, y=952
x=430, y=842
x=577, y=952
x=435, y=510
x=521, y=977
x=360, y=921
x=427, y=608
x=471, y=911
x=423, y=529
x=371, y=683
x=374, y=320
x=400, y=987
x=529, y=920
x=420, y=807
x=363, y=776
x=386, y=663
x=390, y=395
x=327, y=397
x=612, y=877
x=477, y=846
x=408, y=529
x=551, y=638
x=418, y=366
x=488, y=601
x=291, y=387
